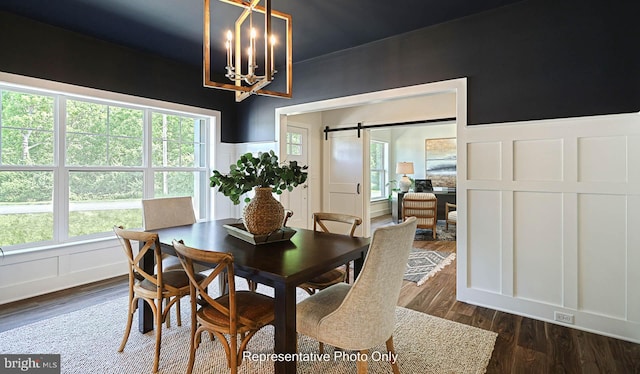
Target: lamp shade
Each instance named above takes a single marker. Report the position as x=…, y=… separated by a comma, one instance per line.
x=404, y=168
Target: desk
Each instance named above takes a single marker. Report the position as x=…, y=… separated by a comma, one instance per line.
x=442, y=196
x=281, y=265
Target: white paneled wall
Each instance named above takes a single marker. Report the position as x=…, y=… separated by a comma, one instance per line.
x=549, y=220
x=28, y=274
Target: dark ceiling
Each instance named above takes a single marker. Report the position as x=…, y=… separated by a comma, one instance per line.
x=173, y=28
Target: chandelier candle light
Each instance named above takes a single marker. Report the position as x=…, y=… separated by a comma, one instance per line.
x=251, y=78
x=248, y=82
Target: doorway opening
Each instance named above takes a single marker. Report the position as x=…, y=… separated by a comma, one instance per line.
x=421, y=102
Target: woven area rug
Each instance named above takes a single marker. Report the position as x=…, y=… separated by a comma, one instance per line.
x=442, y=234
x=424, y=264
x=88, y=339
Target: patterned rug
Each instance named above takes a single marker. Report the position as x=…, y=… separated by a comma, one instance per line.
x=424, y=264
x=87, y=341
x=441, y=233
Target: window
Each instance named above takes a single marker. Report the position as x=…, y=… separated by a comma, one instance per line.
x=378, y=163
x=71, y=168
x=294, y=144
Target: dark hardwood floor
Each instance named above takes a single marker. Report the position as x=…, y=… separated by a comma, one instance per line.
x=524, y=345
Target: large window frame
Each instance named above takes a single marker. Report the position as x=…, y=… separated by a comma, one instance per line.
x=61, y=171
x=382, y=171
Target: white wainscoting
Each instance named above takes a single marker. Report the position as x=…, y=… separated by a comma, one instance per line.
x=379, y=208
x=549, y=220
x=27, y=274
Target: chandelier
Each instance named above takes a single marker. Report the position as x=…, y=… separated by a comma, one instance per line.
x=257, y=75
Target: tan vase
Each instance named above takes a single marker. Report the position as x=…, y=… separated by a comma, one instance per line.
x=264, y=214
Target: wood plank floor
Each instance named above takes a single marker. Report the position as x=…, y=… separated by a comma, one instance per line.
x=524, y=345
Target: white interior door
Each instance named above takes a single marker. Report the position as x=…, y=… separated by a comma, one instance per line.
x=297, y=149
x=345, y=189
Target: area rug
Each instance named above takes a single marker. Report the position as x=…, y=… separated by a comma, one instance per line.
x=442, y=234
x=424, y=264
x=88, y=339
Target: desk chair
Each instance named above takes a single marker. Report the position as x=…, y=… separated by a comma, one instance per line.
x=424, y=207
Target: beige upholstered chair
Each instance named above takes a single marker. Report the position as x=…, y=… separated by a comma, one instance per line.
x=361, y=316
x=169, y=212
x=451, y=215
x=235, y=313
x=152, y=288
x=424, y=207
x=320, y=221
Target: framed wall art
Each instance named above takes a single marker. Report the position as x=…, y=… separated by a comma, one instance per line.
x=441, y=161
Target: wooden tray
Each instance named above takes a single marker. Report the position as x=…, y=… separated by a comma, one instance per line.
x=239, y=231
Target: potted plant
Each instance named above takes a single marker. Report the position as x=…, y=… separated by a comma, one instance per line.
x=265, y=175
x=393, y=188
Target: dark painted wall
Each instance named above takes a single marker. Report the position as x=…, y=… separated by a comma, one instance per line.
x=38, y=50
x=536, y=59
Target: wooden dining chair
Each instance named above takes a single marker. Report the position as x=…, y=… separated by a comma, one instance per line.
x=360, y=316
x=451, y=215
x=152, y=288
x=424, y=207
x=288, y=213
x=320, y=222
x=235, y=313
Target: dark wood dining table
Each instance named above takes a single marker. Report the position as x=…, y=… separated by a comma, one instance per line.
x=282, y=265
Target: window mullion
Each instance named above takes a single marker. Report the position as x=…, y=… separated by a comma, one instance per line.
x=147, y=146
x=61, y=173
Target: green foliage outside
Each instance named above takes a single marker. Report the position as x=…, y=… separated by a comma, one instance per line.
x=96, y=135
x=376, y=160
x=90, y=222
x=27, y=129
x=37, y=227
x=24, y=228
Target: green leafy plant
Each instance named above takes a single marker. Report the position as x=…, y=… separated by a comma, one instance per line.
x=261, y=171
x=393, y=184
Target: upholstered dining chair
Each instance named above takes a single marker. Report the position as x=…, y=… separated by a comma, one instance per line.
x=451, y=215
x=235, y=313
x=152, y=288
x=167, y=212
x=320, y=222
x=424, y=207
x=163, y=212
x=361, y=315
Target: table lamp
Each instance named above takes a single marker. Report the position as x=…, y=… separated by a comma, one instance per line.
x=404, y=168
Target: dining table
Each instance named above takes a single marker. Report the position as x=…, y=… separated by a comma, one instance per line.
x=282, y=265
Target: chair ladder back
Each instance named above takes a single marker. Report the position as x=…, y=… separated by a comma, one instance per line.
x=151, y=242
x=224, y=263
x=320, y=217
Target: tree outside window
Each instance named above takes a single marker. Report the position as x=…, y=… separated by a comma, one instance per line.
x=51, y=193
x=378, y=163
